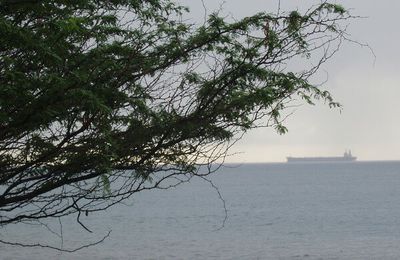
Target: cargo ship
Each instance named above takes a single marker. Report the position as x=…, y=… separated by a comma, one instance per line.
x=347, y=157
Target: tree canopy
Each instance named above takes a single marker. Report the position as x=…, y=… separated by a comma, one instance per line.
x=103, y=99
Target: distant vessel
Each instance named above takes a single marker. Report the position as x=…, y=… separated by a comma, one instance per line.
x=347, y=157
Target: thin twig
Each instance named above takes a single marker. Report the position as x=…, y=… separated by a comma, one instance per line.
x=55, y=248
x=221, y=199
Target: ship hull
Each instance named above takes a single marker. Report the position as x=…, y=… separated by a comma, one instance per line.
x=321, y=159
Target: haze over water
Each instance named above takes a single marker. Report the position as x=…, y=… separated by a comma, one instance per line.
x=275, y=211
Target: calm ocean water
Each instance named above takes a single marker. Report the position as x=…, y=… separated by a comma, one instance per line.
x=275, y=211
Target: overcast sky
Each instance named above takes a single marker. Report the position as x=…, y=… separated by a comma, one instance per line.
x=367, y=87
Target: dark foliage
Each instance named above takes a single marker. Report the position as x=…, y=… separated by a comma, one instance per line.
x=103, y=99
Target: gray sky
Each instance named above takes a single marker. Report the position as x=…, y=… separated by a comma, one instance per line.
x=368, y=89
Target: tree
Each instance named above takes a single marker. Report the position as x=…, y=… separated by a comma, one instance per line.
x=100, y=100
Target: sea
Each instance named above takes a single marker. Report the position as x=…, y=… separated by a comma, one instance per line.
x=252, y=211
